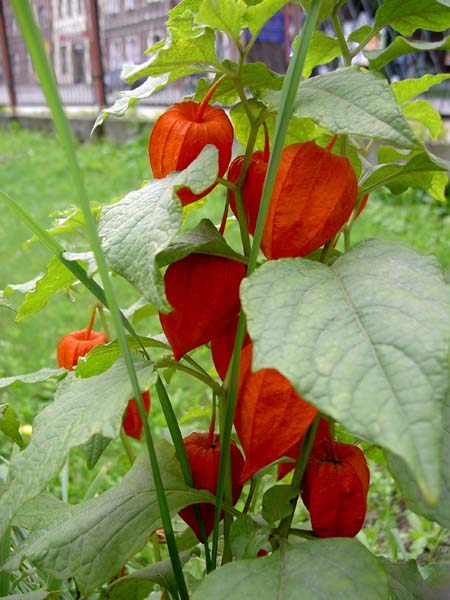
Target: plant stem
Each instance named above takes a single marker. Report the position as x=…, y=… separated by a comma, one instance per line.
x=288, y=94
x=34, y=43
x=204, y=377
x=305, y=451
x=5, y=544
x=341, y=38
x=127, y=446
x=91, y=322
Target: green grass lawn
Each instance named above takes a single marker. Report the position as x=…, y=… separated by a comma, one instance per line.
x=33, y=172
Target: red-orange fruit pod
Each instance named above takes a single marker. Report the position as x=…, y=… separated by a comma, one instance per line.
x=132, y=422
x=76, y=344
x=334, y=489
x=203, y=291
x=203, y=452
x=270, y=416
x=181, y=133
x=314, y=195
x=323, y=433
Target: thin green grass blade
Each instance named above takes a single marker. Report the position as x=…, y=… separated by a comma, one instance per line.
x=34, y=43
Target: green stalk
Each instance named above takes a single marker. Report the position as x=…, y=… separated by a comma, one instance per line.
x=5, y=544
x=300, y=468
x=33, y=41
x=288, y=94
x=341, y=38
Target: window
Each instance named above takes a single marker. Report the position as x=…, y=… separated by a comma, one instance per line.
x=113, y=7
x=131, y=49
x=80, y=7
x=115, y=55
x=129, y=5
x=60, y=9
x=63, y=59
x=69, y=8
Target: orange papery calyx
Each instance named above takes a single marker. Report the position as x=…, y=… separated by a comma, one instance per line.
x=270, y=416
x=132, y=422
x=314, y=195
x=252, y=187
x=334, y=489
x=203, y=452
x=78, y=343
x=203, y=291
x=180, y=134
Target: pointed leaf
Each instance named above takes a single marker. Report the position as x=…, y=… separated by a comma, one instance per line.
x=94, y=448
x=399, y=47
x=258, y=13
x=268, y=408
x=365, y=341
x=405, y=581
x=321, y=51
x=351, y=101
x=128, y=588
x=249, y=534
x=409, y=15
x=93, y=540
x=224, y=15
x=82, y=407
x=276, y=502
x=9, y=424
x=140, y=226
x=423, y=112
x=312, y=570
x=37, y=377
x=203, y=239
x=409, y=88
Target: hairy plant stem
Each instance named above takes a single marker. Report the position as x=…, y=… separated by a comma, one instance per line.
x=33, y=40
x=302, y=461
x=288, y=95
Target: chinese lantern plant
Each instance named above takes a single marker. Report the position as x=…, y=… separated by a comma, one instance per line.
x=294, y=338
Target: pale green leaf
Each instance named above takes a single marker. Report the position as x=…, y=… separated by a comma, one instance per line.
x=81, y=408
x=37, y=595
x=399, y=47
x=276, y=502
x=411, y=171
x=423, y=112
x=360, y=34
x=92, y=540
x=405, y=581
x=5, y=303
x=409, y=88
x=321, y=51
x=351, y=101
x=258, y=13
x=408, y=15
x=41, y=511
x=341, y=569
x=249, y=534
x=102, y=357
x=140, y=226
x=9, y=424
x=366, y=341
x=224, y=15
x=37, y=377
x=326, y=8
x=204, y=239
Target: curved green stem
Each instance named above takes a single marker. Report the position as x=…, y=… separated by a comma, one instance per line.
x=341, y=38
x=127, y=446
x=204, y=377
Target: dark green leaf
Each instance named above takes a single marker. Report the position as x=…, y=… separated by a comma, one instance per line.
x=128, y=589
x=94, y=448
x=276, y=503
x=365, y=341
x=408, y=15
x=351, y=101
x=9, y=424
x=140, y=226
x=82, y=407
x=249, y=534
x=204, y=238
x=405, y=581
x=399, y=47
x=94, y=539
x=341, y=569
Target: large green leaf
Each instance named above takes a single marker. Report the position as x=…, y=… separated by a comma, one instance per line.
x=335, y=568
x=352, y=101
x=409, y=88
x=365, y=340
x=405, y=581
x=143, y=224
x=92, y=540
x=399, y=47
x=408, y=15
x=225, y=15
x=249, y=534
x=82, y=407
x=258, y=13
x=37, y=377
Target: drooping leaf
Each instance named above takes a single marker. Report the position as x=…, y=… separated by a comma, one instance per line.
x=365, y=341
x=203, y=239
x=321, y=51
x=399, y=47
x=37, y=377
x=351, y=101
x=94, y=448
x=82, y=407
x=9, y=424
x=405, y=581
x=423, y=112
x=304, y=571
x=258, y=13
x=249, y=534
x=276, y=502
x=94, y=539
x=268, y=408
x=409, y=15
x=409, y=88
x=141, y=225
x=128, y=588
